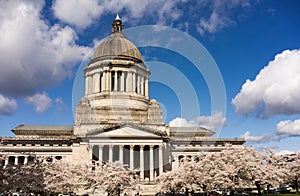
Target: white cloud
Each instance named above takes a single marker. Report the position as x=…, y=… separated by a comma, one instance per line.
x=7, y=106
x=181, y=122
x=33, y=55
x=82, y=13
x=284, y=129
x=213, y=24
x=209, y=122
x=59, y=101
x=40, y=101
x=220, y=15
x=256, y=138
x=285, y=152
x=288, y=127
x=275, y=89
x=60, y=104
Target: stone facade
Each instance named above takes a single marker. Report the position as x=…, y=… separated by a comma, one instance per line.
x=115, y=120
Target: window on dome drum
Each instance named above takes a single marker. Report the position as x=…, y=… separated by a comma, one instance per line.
x=136, y=83
x=112, y=80
x=100, y=82
x=119, y=74
x=124, y=81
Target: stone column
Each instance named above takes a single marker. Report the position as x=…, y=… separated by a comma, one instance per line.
x=146, y=88
x=142, y=162
x=121, y=153
x=138, y=84
x=116, y=81
x=6, y=161
x=151, y=164
x=103, y=89
x=25, y=160
x=108, y=83
x=122, y=82
x=90, y=84
x=131, y=163
x=16, y=160
x=110, y=153
x=100, y=152
x=90, y=153
x=96, y=83
x=160, y=159
x=129, y=81
x=176, y=163
x=133, y=82
x=87, y=85
x=142, y=86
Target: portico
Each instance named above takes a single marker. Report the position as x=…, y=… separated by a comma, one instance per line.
x=137, y=148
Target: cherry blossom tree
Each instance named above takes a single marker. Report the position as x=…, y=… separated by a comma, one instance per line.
x=242, y=167
x=63, y=176
x=291, y=164
x=26, y=178
x=175, y=180
x=112, y=178
x=234, y=167
x=188, y=175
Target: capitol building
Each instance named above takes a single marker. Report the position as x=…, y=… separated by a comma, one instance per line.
x=115, y=120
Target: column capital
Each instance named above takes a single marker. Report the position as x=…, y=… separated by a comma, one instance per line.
x=151, y=146
x=100, y=146
x=111, y=146
x=121, y=145
x=142, y=147
x=131, y=147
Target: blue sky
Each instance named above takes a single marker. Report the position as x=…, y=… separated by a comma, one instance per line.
x=254, y=44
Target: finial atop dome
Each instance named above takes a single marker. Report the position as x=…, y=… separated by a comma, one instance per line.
x=117, y=17
x=117, y=25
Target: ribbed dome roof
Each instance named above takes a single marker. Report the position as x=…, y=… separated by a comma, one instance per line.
x=116, y=45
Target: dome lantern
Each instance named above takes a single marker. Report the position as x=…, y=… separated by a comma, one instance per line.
x=116, y=46
x=117, y=26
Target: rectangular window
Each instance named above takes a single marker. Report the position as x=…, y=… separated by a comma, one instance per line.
x=100, y=82
x=119, y=75
x=124, y=81
x=136, y=83
x=112, y=80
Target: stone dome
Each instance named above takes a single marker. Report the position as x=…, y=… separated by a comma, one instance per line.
x=116, y=46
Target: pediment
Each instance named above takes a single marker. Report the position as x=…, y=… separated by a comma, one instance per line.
x=125, y=131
